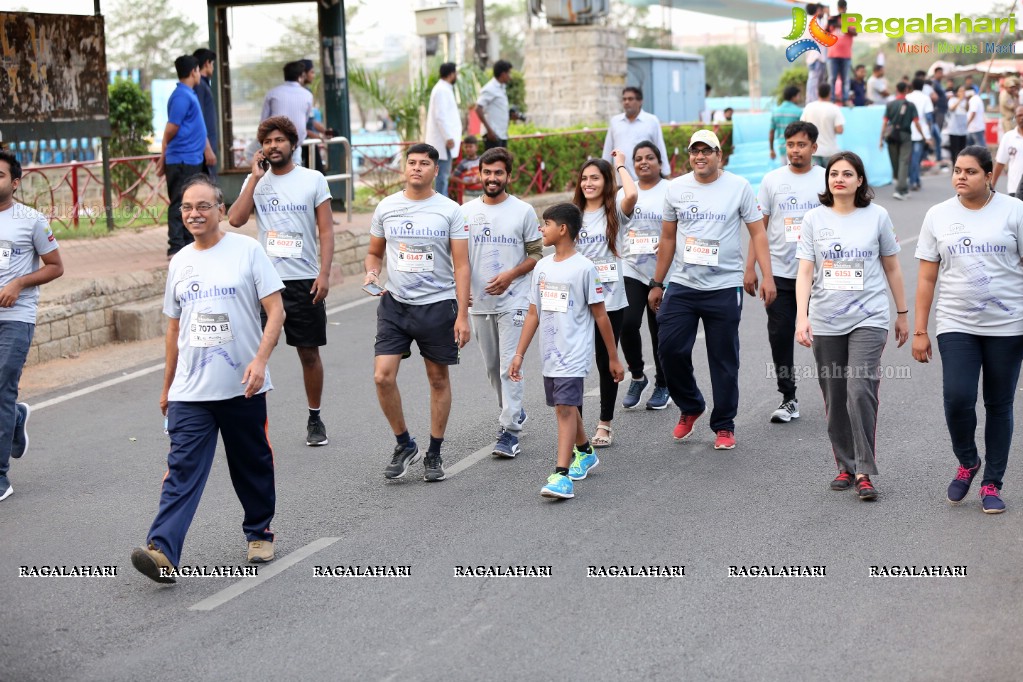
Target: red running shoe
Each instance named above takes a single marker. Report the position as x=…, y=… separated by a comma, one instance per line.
x=725, y=440
x=684, y=428
x=843, y=481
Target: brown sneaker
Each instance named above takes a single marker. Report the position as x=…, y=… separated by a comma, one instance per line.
x=149, y=561
x=261, y=551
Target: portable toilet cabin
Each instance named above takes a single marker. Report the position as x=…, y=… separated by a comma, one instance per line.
x=672, y=83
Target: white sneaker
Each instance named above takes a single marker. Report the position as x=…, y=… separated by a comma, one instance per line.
x=786, y=412
x=901, y=196
x=7, y=493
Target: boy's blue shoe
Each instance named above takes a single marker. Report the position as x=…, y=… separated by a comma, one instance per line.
x=559, y=486
x=507, y=445
x=659, y=399
x=990, y=499
x=635, y=392
x=582, y=464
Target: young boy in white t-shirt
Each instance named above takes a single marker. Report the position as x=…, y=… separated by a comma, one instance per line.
x=565, y=299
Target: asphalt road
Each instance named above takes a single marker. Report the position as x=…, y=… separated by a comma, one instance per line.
x=88, y=489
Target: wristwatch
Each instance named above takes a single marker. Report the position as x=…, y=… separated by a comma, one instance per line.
x=655, y=283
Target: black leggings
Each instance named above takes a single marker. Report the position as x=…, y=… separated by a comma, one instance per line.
x=608, y=387
x=632, y=339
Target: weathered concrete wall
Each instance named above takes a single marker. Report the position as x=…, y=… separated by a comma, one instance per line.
x=574, y=74
x=75, y=315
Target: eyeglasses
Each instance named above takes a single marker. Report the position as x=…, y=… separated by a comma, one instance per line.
x=703, y=151
x=187, y=208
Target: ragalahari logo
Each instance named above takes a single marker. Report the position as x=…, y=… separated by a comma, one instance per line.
x=799, y=26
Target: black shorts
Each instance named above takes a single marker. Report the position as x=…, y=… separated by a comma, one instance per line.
x=431, y=326
x=563, y=391
x=305, y=324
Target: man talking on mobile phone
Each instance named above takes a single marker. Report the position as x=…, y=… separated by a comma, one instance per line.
x=292, y=206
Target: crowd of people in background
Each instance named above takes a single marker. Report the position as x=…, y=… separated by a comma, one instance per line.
x=821, y=255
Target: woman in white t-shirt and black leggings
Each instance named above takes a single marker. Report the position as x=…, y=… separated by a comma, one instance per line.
x=602, y=240
x=848, y=257
x=973, y=243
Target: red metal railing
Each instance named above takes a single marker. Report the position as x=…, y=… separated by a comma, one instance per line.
x=72, y=193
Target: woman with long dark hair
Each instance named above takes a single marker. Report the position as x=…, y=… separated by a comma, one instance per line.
x=602, y=240
x=848, y=257
x=642, y=235
x=973, y=243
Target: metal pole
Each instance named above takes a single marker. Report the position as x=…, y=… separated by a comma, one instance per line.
x=108, y=202
x=334, y=63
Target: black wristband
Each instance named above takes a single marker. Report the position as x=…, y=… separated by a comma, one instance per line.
x=655, y=283
x=621, y=167
x=902, y=312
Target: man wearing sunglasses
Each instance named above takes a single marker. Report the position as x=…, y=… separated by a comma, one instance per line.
x=704, y=212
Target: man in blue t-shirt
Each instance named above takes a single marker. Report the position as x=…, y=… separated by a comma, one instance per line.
x=185, y=147
x=204, y=91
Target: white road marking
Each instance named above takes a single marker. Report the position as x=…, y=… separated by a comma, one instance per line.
x=463, y=464
x=98, y=387
x=155, y=368
x=266, y=572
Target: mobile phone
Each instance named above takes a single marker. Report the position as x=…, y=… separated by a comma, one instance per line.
x=373, y=289
x=264, y=164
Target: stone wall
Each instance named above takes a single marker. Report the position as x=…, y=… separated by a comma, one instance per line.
x=78, y=314
x=574, y=74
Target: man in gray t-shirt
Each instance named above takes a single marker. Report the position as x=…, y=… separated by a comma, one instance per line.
x=292, y=206
x=425, y=238
x=704, y=212
x=786, y=194
x=504, y=246
x=216, y=380
x=25, y=240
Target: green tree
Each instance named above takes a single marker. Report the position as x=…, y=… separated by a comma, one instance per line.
x=131, y=123
x=794, y=75
x=149, y=36
x=727, y=69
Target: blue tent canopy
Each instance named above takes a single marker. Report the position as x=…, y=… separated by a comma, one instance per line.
x=744, y=10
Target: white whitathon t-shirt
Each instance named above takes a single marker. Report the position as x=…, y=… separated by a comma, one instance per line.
x=980, y=277
x=566, y=338
x=826, y=116
x=592, y=243
x=228, y=279
x=646, y=222
x=421, y=227
x=1010, y=152
x=784, y=197
x=714, y=212
x=497, y=243
x=861, y=237
x=286, y=206
x=24, y=236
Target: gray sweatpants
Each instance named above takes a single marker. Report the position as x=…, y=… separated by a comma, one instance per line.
x=498, y=337
x=849, y=373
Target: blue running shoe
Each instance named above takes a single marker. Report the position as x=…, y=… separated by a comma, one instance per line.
x=990, y=499
x=523, y=417
x=635, y=392
x=960, y=485
x=507, y=445
x=659, y=399
x=558, y=486
x=19, y=446
x=582, y=464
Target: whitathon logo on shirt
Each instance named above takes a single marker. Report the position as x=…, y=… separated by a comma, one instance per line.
x=652, y=215
x=836, y=252
x=275, y=205
x=196, y=292
x=488, y=237
x=408, y=229
x=693, y=212
x=586, y=238
x=967, y=246
x=790, y=204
